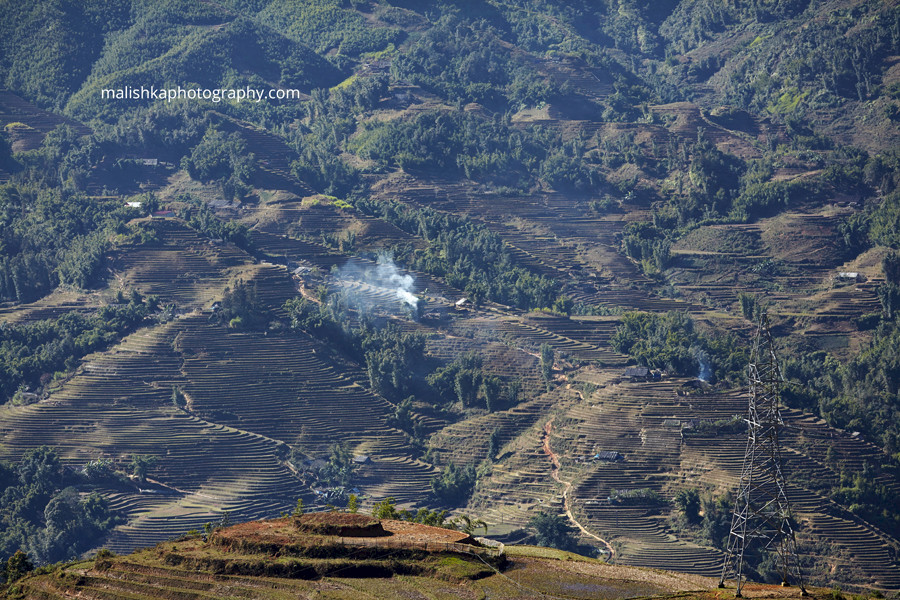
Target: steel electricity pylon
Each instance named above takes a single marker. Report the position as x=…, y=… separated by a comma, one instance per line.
x=762, y=513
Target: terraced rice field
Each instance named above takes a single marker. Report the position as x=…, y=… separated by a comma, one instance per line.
x=180, y=267
x=14, y=109
x=645, y=422
x=251, y=396
x=119, y=405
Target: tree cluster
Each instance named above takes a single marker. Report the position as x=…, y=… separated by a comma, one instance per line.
x=223, y=158
x=705, y=515
x=454, y=485
x=555, y=531
x=44, y=515
x=672, y=343
x=50, y=233
x=465, y=61
x=467, y=255
x=202, y=219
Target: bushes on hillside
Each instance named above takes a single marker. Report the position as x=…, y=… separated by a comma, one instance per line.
x=31, y=353
x=241, y=308
x=465, y=61
x=392, y=359
x=454, y=485
x=467, y=255
x=328, y=25
x=482, y=149
x=705, y=515
x=202, y=219
x=44, y=515
x=671, y=342
x=766, y=199
x=51, y=236
x=459, y=380
x=884, y=223
x=223, y=158
x=554, y=531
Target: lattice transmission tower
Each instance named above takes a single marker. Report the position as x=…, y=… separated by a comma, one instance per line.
x=762, y=513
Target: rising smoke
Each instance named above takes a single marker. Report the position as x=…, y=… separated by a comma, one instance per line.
x=382, y=278
x=705, y=371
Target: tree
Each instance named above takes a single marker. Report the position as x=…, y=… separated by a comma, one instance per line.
x=563, y=305
x=18, y=566
x=353, y=504
x=241, y=307
x=140, y=464
x=688, y=502
x=467, y=524
x=424, y=516
x=553, y=531
x=490, y=389
x=466, y=386
x=385, y=509
x=460, y=380
x=339, y=469
x=455, y=484
x=889, y=295
x=178, y=400
x=402, y=417
x=890, y=264
x=513, y=389
x=547, y=358
x=748, y=305
x=494, y=443
x=224, y=158
x=41, y=470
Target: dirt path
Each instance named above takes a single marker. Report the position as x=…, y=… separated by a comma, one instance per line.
x=567, y=487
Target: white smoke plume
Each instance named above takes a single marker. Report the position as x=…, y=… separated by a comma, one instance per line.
x=388, y=275
x=705, y=366
x=384, y=276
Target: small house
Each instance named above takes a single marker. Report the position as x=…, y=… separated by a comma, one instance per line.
x=163, y=214
x=637, y=373
x=314, y=464
x=609, y=456
x=849, y=277
x=28, y=397
x=362, y=459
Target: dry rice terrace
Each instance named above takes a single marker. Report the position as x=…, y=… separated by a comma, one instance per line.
x=360, y=557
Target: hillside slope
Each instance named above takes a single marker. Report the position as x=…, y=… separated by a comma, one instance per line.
x=424, y=276
x=405, y=560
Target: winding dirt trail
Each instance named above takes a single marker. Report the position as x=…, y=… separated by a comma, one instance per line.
x=567, y=487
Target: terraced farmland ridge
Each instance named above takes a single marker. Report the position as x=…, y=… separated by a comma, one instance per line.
x=360, y=556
